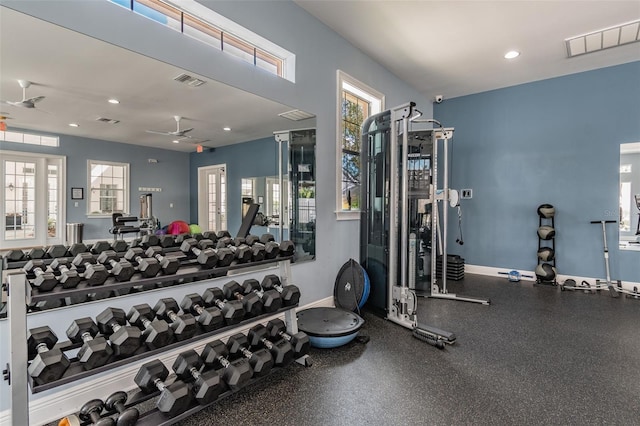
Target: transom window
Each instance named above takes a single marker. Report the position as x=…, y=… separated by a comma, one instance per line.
x=108, y=188
x=356, y=102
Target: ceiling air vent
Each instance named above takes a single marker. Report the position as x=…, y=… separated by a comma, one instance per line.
x=296, y=115
x=107, y=120
x=189, y=80
x=603, y=39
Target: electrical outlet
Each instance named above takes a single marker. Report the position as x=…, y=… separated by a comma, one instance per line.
x=466, y=194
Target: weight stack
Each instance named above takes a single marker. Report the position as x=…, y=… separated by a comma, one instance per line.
x=455, y=267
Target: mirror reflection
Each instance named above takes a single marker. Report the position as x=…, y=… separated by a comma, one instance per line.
x=630, y=196
x=203, y=149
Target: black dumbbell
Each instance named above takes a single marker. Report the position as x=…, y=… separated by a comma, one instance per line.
x=14, y=255
x=271, y=300
x=183, y=326
x=90, y=412
x=55, y=251
x=235, y=373
x=100, y=246
x=166, y=241
x=260, y=360
x=290, y=294
x=169, y=265
x=225, y=255
x=232, y=310
x=299, y=341
x=36, y=253
x=155, y=332
x=258, y=250
x=149, y=240
x=285, y=248
x=126, y=416
x=95, y=351
x=206, y=386
x=92, y=273
x=242, y=252
x=125, y=340
x=209, y=318
x=69, y=278
x=122, y=270
x=281, y=350
x=174, y=398
x=48, y=363
x=204, y=254
x=251, y=303
x=44, y=281
x=148, y=267
x=119, y=246
x=77, y=248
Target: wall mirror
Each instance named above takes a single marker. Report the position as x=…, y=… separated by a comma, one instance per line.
x=630, y=196
x=77, y=76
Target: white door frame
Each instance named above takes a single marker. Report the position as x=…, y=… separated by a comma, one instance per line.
x=203, y=196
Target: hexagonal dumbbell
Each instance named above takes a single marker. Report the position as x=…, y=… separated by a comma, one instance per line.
x=204, y=255
x=119, y=246
x=100, y=246
x=174, y=398
x=235, y=373
x=258, y=250
x=126, y=416
x=43, y=281
x=242, y=252
x=299, y=341
x=55, y=251
x=183, y=326
x=287, y=248
x=48, y=363
x=232, y=310
x=260, y=360
x=125, y=340
x=251, y=303
x=290, y=294
x=92, y=273
x=156, y=333
x=149, y=240
x=281, y=350
x=68, y=278
x=209, y=318
x=206, y=386
x=122, y=270
x=169, y=265
x=15, y=255
x=36, y=253
x=148, y=267
x=77, y=248
x=271, y=300
x=95, y=351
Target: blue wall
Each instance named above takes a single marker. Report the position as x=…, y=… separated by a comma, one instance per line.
x=171, y=173
x=250, y=159
x=553, y=141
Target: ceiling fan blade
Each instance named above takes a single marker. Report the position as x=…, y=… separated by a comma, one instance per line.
x=185, y=131
x=155, y=132
x=34, y=100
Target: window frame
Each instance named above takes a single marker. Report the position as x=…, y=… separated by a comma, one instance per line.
x=377, y=104
x=126, y=187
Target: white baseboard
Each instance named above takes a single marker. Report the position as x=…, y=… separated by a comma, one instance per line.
x=52, y=405
x=494, y=272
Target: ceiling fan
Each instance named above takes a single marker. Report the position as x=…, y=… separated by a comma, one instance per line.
x=177, y=133
x=25, y=103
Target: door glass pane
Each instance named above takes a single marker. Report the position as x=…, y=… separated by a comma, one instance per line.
x=19, y=200
x=52, y=200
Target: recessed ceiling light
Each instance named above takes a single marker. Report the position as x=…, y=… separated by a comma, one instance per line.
x=226, y=129
x=114, y=101
x=511, y=54
x=176, y=141
x=74, y=125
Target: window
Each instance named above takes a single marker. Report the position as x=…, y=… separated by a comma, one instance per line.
x=356, y=102
x=273, y=208
x=205, y=25
x=19, y=137
x=108, y=188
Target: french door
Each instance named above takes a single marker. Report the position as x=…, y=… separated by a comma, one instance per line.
x=212, y=198
x=33, y=201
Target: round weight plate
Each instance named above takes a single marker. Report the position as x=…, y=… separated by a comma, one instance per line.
x=329, y=322
x=349, y=288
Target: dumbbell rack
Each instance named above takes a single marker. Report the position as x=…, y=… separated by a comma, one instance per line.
x=19, y=291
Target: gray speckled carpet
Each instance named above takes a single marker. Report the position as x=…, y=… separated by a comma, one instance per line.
x=536, y=356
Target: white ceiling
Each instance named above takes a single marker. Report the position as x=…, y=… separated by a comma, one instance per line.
x=454, y=48
x=78, y=74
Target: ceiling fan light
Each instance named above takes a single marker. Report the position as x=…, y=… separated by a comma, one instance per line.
x=512, y=54
x=175, y=141
x=74, y=125
x=226, y=129
x=114, y=101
